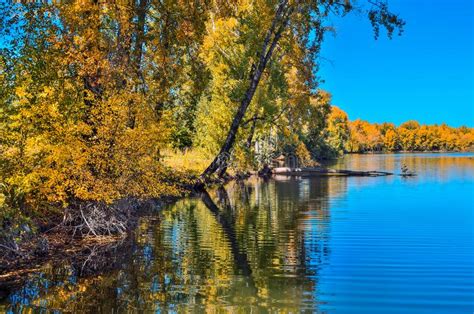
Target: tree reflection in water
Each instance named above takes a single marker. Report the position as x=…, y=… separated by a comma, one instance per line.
x=251, y=245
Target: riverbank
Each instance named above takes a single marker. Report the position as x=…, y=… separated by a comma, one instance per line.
x=382, y=152
x=56, y=241
x=293, y=236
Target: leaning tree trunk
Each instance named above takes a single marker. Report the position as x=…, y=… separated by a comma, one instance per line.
x=279, y=23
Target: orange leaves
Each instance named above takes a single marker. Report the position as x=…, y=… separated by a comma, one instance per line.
x=391, y=140
x=337, y=129
x=78, y=126
x=410, y=136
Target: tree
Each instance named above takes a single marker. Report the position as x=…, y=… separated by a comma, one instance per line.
x=391, y=141
x=87, y=101
x=338, y=130
x=305, y=20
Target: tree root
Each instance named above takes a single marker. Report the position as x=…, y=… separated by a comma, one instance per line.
x=98, y=219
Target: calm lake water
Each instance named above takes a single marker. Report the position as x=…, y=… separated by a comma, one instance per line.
x=324, y=245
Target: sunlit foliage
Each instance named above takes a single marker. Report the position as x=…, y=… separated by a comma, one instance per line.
x=87, y=101
x=97, y=97
x=409, y=136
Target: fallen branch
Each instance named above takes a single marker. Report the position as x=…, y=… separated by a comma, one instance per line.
x=97, y=218
x=17, y=252
x=319, y=171
x=87, y=223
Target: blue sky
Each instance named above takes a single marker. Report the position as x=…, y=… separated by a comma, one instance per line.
x=427, y=74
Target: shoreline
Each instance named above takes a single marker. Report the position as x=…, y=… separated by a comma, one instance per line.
x=62, y=245
x=410, y=152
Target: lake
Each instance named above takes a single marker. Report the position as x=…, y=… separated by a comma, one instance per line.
x=318, y=245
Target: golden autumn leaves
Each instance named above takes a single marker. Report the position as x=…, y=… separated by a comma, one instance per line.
x=409, y=136
x=93, y=94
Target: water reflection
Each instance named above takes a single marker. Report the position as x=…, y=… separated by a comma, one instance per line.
x=317, y=244
x=439, y=166
x=247, y=246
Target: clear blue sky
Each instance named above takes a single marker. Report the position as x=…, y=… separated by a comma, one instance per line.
x=427, y=74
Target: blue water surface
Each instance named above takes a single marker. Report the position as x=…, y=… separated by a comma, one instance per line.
x=290, y=244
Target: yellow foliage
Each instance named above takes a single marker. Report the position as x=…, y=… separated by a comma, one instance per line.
x=77, y=126
x=410, y=136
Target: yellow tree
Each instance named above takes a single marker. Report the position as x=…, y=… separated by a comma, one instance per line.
x=407, y=133
x=391, y=140
x=88, y=108
x=297, y=20
x=338, y=130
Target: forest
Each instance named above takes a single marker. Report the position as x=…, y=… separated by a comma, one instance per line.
x=104, y=103
x=359, y=136
x=409, y=136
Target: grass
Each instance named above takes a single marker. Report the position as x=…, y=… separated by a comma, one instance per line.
x=192, y=161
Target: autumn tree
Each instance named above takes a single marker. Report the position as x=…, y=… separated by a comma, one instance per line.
x=301, y=21
x=409, y=136
x=88, y=102
x=338, y=130
x=391, y=141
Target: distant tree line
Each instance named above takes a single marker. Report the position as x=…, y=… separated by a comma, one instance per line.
x=360, y=136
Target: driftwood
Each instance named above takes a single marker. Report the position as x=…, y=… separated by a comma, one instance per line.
x=98, y=219
x=319, y=171
x=411, y=174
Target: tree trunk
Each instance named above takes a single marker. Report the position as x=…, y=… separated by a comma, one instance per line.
x=141, y=11
x=136, y=56
x=252, y=131
x=280, y=21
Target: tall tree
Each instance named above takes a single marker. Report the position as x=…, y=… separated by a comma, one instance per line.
x=303, y=18
x=86, y=97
